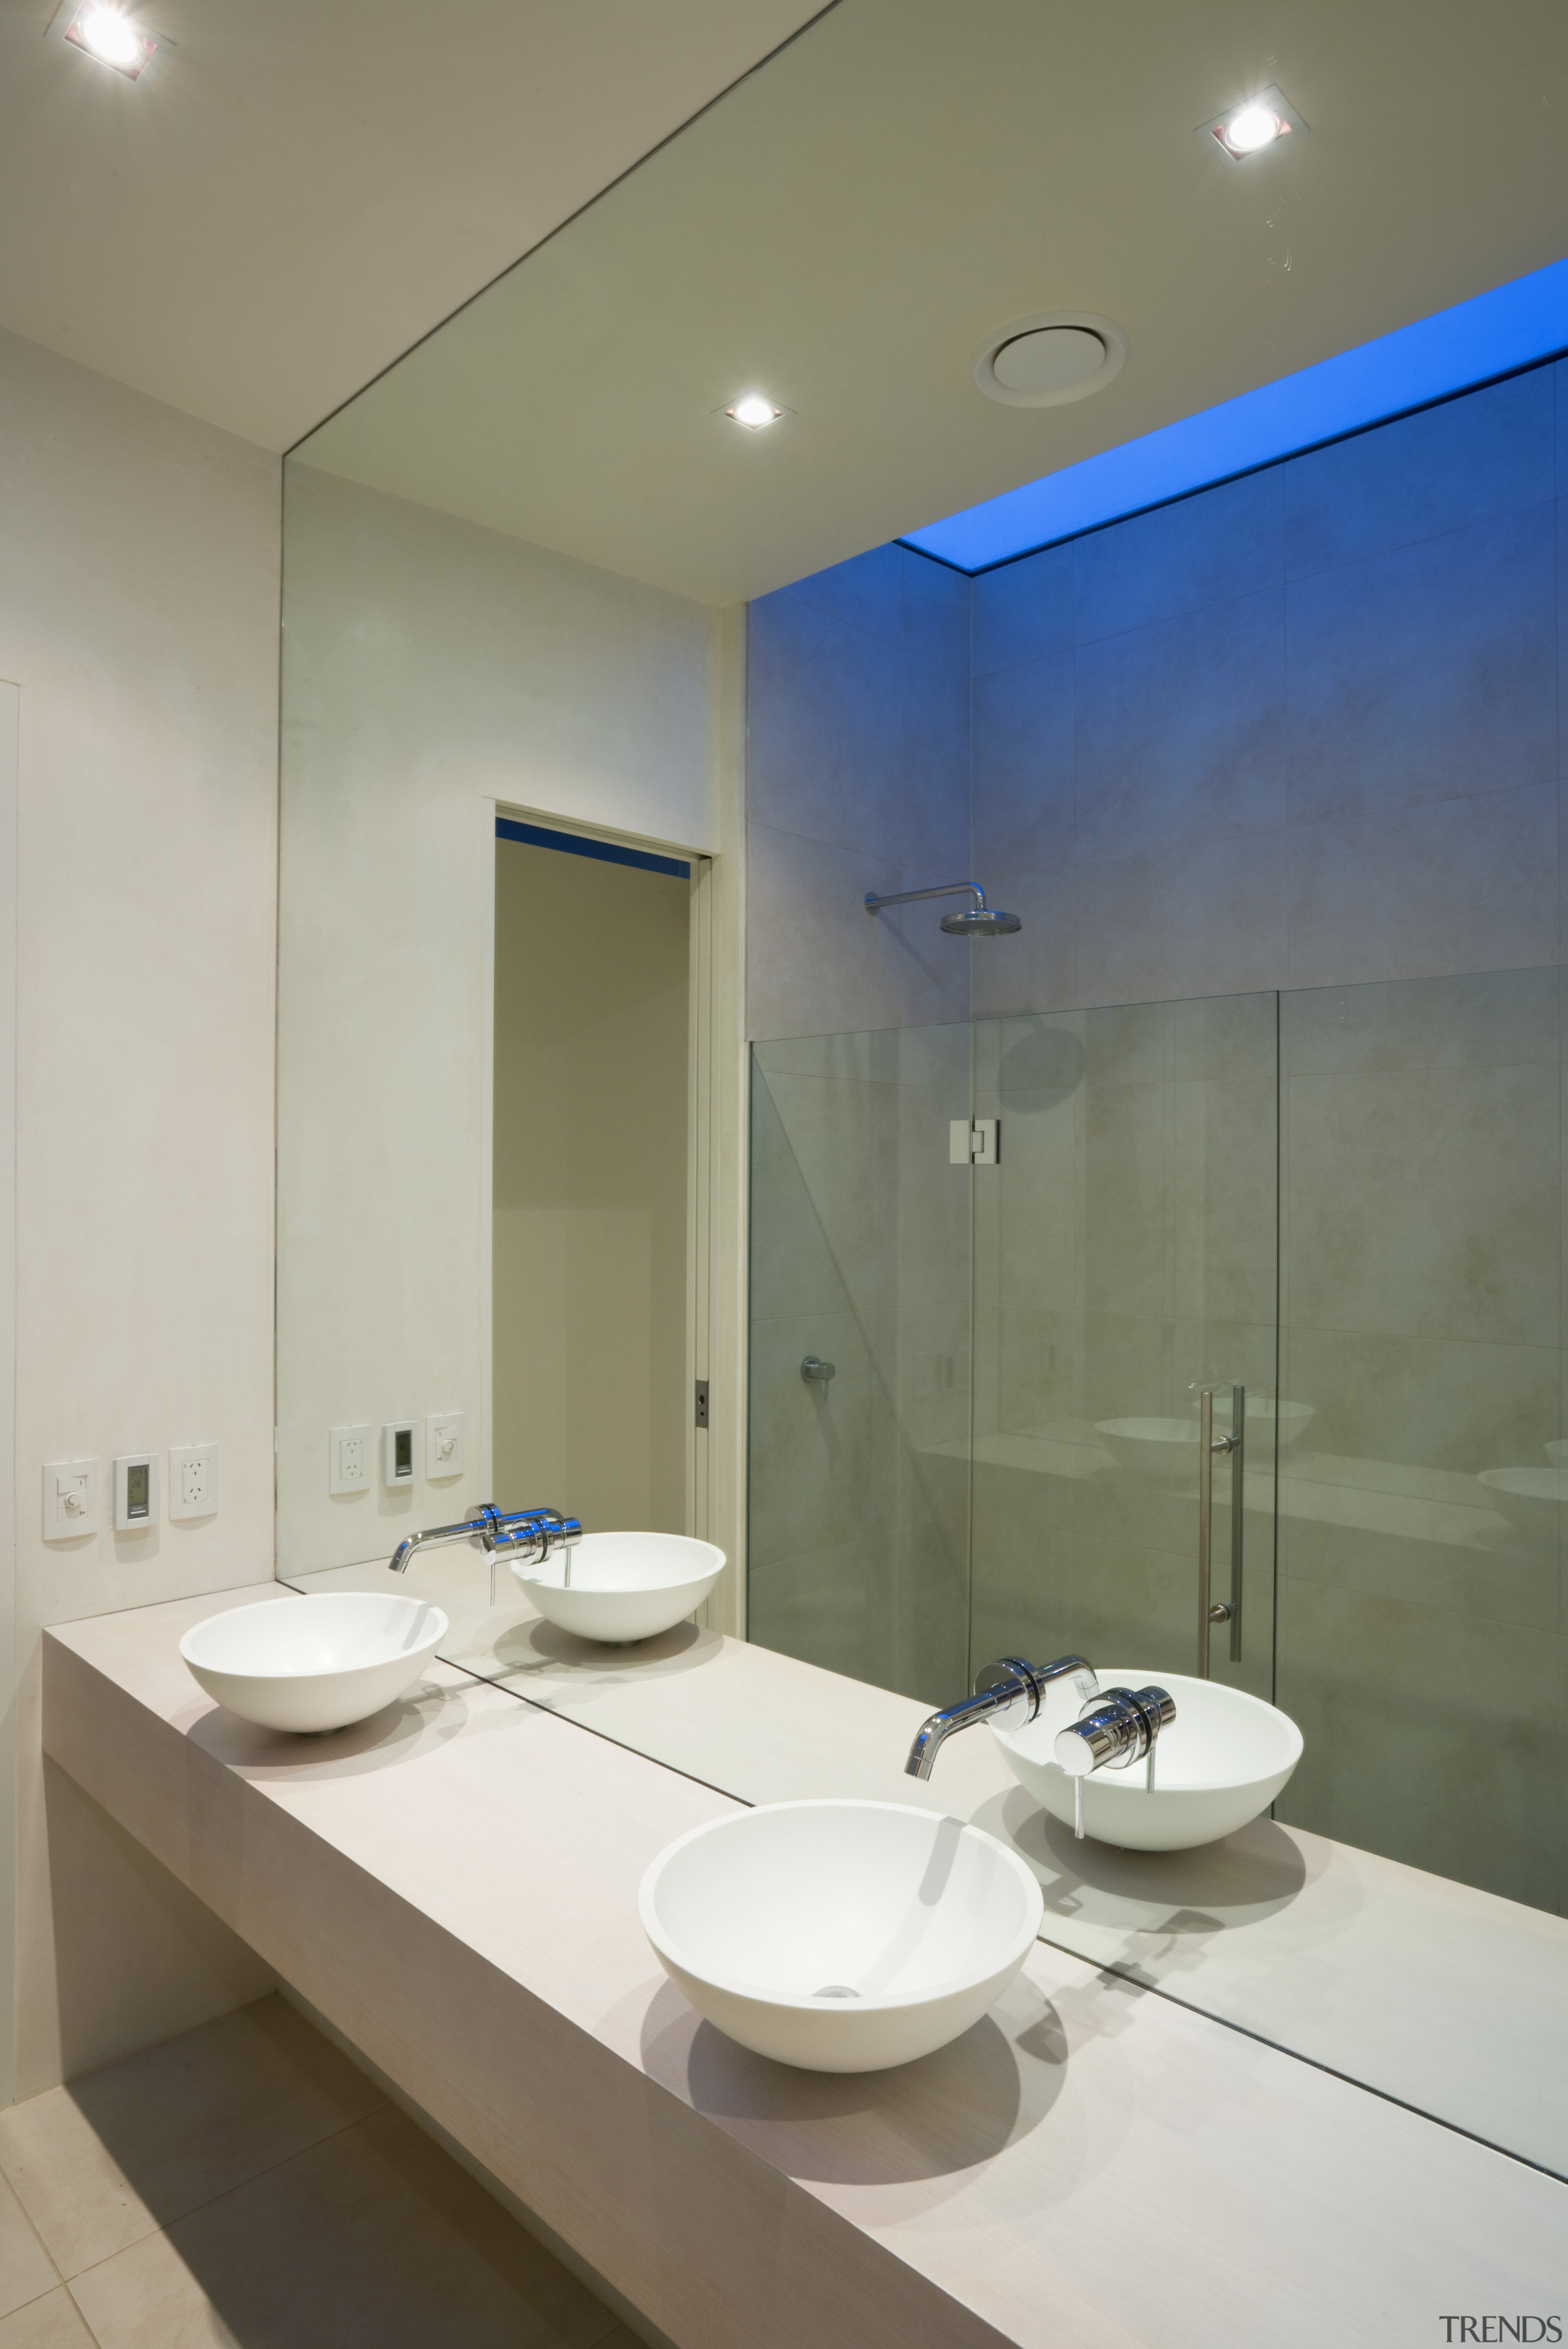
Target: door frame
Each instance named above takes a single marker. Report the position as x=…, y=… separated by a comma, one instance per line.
x=717, y=1135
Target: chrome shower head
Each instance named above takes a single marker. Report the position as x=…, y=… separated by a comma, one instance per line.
x=981, y=922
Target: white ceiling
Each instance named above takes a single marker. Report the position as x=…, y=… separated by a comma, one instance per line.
x=300, y=188
x=845, y=227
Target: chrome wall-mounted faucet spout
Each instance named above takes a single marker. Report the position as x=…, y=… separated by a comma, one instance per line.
x=1009, y=1693
x=532, y=1535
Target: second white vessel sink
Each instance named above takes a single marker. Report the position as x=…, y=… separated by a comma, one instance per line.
x=318, y=1662
x=1223, y=1760
x=841, y=1936
x=623, y=1587
x=1532, y=1499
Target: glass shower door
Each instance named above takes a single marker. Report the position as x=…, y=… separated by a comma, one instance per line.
x=858, y=1402
x=1126, y=1256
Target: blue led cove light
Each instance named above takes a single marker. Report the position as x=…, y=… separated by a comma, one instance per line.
x=1493, y=335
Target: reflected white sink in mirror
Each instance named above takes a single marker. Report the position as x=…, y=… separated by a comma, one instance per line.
x=1168, y=1448
x=841, y=1936
x=314, y=1664
x=1531, y=1499
x=1267, y=1418
x=1225, y=1759
x=617, y=1588
x=1153, y=1447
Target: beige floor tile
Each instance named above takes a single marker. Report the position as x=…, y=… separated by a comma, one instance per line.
x=25, y=2267
x=375, y=2239
x=107, y=2160
x=54, y=2321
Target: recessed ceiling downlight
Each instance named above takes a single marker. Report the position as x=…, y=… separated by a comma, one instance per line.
x=108, y=35
x=1243, y=132
x=754, y=411
x=1044, y=362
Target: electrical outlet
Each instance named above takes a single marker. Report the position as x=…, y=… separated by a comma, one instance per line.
x=443, y=1443
x=71, y=1498
x=192, y=1480
x=349, y=1455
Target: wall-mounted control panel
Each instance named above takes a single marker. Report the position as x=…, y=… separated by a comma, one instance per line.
x=443, y=1443
x=350, y=1459
x=192, y=1480
x=400, y=1451
x=70, y=1490
x=135, y=1492
x=71, y=1498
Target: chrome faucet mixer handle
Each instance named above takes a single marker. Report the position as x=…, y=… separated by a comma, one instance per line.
x=1115, y=1730
x=1009, y=1693
x=491, y=1529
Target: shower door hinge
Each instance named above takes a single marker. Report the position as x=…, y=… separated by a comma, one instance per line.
x=974, y=1140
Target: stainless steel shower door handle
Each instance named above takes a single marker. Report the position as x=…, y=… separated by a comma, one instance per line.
x=1210, y=1610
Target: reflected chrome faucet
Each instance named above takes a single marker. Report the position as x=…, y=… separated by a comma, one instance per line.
x=1009, y=1693
x=532, y=1535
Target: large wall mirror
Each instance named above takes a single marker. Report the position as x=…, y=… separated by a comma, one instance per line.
x=630, y=1168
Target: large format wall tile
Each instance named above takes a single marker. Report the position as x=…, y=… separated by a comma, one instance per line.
x=1024, y=610
x=853, y=739
x=1023, y=769
x=1179, y=730
x=1482, y=454
x=1426, y=1202
x=918, y=605
x=818, y=964
x=1426, y=674
x=1034, y=969
x=1207, y=550
x=1204, y=918
x=1461, y=884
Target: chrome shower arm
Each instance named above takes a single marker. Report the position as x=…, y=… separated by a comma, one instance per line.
x=948, y=889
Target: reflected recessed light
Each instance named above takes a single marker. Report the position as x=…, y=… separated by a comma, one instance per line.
x=110, y=36
x=755, y=412
x=1244, y=130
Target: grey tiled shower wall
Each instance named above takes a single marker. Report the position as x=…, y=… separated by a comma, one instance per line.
x=1299, y=732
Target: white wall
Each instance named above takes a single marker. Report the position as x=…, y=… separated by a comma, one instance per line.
x=138, y=554
x=432, y=668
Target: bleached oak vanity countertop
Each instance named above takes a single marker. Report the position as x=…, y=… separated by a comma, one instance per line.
x=1450, y=1999
x=453, y=1885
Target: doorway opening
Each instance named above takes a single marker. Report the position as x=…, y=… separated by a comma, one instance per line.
x=592, y=1084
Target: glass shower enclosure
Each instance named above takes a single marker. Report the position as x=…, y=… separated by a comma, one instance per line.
x=1004, y=1272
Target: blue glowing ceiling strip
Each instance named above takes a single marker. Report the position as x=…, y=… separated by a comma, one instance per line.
x=1493, y=335
x=574, y=843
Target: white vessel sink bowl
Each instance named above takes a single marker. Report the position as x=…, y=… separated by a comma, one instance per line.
x=841, y=1936
x=1531, y=1498
x=315, y=1663
x=623, y=1586
x=1154, y=1447
x=1266, y=1418
x=1223, y=1759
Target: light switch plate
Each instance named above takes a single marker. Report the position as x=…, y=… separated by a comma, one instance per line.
x=135, y=1492
x=350, y=1453
x=400, y=1451
x=192, y=1480
x=443, y=1443
x=71, y=1498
